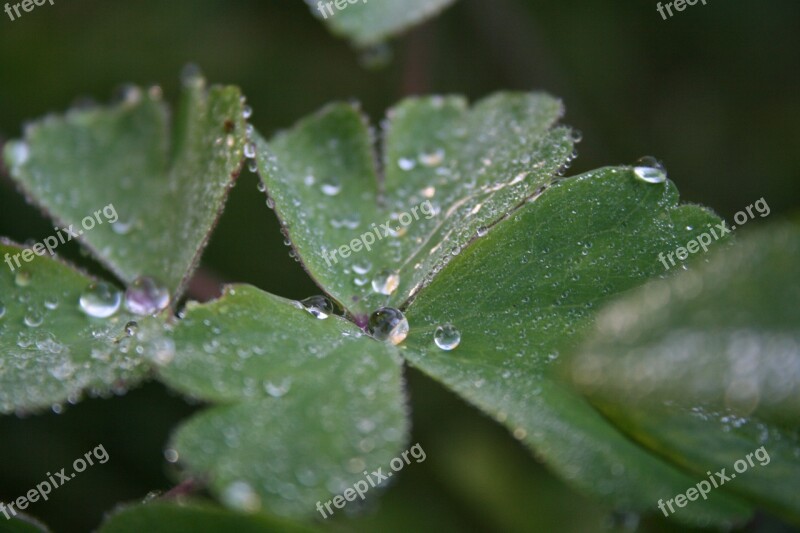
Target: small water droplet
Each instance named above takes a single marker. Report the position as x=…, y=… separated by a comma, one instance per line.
x=240, y=495
x=361, y=269
x=650, y=170
x=406, y=164
x=2, y=309
x=319, y=306
x=388, y=323
x=447, y=337
x=100, y=300
x=19, y=153
x=331, y=187
x=131, y=328
x=277, y=390
x=146, y=296
x=247, y=112
x=432, y=159
x=250, y=150
x=122, y=227
x=34, y=319
x=482, y=231
x=386, y=282
x=22, y=278
x=51, y=302
x=171, y=455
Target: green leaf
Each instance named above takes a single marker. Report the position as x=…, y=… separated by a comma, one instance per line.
x=50, y=350
x=22, y=523
x=368, y=23
x=161, y=192
x=308, y=404
x=166, y=517
x=704, y=440
x=523, y=294
x=725, y=336
x=470, y=168
x=705, y=367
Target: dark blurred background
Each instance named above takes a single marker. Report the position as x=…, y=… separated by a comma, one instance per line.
x=713, y=92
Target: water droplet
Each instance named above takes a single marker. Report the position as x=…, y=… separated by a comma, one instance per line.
x=130, y=328
x=650, y=170
x=122, y=227
x=406, y=164
x=361, y=269
x=247, y=112
x=34, y=319
x=250, y=150
x=19, y=153
x=447, y=337
x=51, y=302
x=388, y=323
x=146, y=296
x=261, y=187
x=319, y=306
x=482, y=231
x=191, y=76
x=278, y=390
x=432, y=159
x=386, y=282
x=240, y=495
x=100, y=300
x=22, y=278
x=2, y=309
x=331, y=187
x=171, y=455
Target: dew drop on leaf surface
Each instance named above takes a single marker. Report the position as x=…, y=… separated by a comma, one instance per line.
x=146, y=296
x=447, y=337
x=650, y=170
x=100, y=300
x=388, y=323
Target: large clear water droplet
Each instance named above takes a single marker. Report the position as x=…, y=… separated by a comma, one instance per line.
x=386, y=282
x=650, y=170
x=319, y=306
x=100, y=300
x=146, y=296
x=388, y=323
x=447, y=337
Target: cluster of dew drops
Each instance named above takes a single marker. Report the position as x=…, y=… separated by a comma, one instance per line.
x=385, y=324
